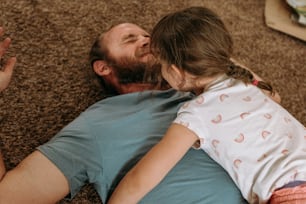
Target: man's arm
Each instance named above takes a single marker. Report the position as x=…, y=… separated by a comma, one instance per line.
x=5, y=78
x=2, y=167
x=35, y=180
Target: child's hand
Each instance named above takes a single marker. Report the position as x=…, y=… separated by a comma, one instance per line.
x=7, y=70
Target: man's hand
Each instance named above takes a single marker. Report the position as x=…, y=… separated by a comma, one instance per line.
x=7, y=70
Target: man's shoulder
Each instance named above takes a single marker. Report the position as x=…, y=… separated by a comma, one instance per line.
x=116, y=107
x=141, y=97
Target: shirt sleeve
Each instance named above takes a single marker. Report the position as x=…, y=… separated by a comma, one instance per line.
x=74, y=151
x=189, y=115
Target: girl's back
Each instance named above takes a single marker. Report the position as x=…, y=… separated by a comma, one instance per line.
x=248, y=134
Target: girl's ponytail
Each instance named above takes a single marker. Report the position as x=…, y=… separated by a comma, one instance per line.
x=240, y=73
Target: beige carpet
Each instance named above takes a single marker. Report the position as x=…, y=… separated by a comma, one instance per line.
x=51, y=39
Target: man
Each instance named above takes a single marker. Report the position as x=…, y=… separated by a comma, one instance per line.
x=106, y=140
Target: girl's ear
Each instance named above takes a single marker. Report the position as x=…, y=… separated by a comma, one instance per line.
x=101, y=68
x=178, y=75
x=177, y=71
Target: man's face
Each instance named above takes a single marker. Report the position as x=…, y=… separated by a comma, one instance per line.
x=129, y=55
x=128, y=41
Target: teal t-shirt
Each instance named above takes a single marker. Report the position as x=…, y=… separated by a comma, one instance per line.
x=107, y=139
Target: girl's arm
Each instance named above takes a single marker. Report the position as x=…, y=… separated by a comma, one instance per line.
x=154, y=166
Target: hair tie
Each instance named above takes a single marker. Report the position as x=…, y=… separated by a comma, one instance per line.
x=255, y=82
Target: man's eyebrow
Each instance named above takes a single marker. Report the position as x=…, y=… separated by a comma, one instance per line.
x=126, y=37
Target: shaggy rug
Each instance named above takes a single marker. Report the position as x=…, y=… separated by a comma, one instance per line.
x=51, y=40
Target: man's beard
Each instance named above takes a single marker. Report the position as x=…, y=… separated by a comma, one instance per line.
x=129, y=71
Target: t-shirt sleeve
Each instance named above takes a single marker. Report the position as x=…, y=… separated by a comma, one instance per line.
x=189, y=116
x=74, y=151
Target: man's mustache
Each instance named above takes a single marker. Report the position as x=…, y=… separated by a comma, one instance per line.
x=143, y=52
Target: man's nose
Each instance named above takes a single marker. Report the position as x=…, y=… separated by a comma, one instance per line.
x=145, y=41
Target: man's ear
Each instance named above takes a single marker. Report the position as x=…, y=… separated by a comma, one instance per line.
x=101, y=68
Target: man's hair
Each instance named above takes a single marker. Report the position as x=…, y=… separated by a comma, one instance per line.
x=99, y=51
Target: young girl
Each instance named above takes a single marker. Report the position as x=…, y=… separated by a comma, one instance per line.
x=259, y=144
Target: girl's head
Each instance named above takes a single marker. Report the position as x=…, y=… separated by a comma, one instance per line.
x=194, y=47
x=195, y=40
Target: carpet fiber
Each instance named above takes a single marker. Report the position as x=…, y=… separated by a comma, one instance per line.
x=51, y=40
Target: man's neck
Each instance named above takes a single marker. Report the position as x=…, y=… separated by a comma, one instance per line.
x=135, y=87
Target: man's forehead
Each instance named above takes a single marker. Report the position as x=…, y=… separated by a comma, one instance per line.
x=125, y=29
